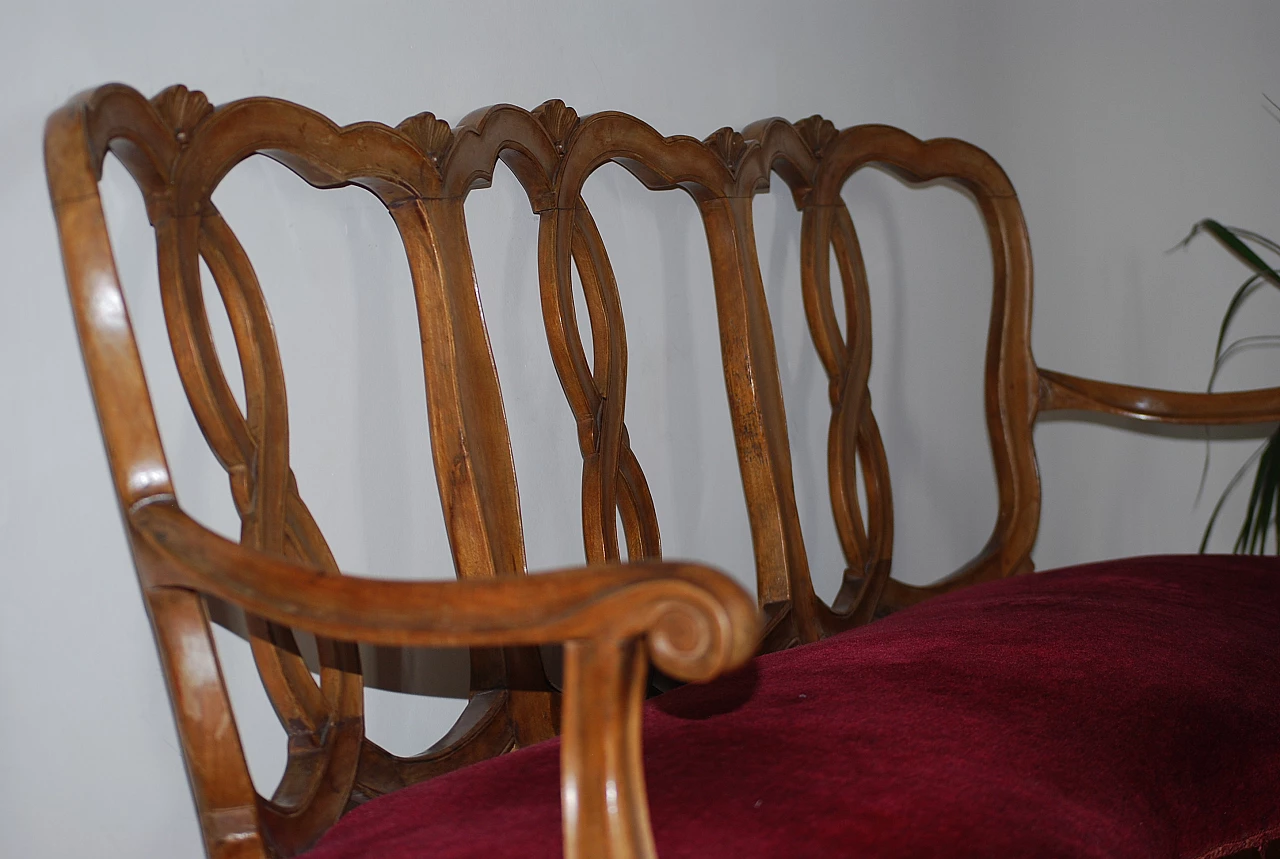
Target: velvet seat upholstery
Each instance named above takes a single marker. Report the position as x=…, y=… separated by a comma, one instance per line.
x=1122, y=709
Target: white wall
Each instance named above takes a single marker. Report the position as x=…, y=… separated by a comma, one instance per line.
x=1120, y=123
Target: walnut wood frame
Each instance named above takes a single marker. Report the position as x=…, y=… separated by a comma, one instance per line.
x=691, y=621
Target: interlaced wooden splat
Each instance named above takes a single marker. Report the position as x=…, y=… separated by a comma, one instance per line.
x=1011, y=385
x=816, y=161
x=612, y=479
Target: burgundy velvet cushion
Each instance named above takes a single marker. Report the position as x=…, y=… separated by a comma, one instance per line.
x=1122, y=709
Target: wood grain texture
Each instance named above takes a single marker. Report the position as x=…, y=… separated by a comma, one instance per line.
x=613, y=618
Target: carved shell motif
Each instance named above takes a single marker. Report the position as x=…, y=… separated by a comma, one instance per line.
x=433, y=136
x=558, y=119
x=729, y=146
x=182, y=109
x=816, y=132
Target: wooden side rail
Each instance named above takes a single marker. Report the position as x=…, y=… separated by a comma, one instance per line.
x=1064, y=392
x=1060, y=391
x=692, y=621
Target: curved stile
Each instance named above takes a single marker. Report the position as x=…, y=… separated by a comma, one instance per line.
x=855, y=437
x=473, y=459
x=463, y=381
x=76, y=140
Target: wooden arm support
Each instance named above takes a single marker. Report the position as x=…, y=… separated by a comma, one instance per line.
x=691, y=620
x=1062, y=391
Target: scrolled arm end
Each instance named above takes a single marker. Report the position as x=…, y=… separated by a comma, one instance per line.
x=703, y=626
x=696, y=621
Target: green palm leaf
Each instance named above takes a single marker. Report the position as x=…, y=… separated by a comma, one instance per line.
x=1262, y=514
x=1230, y=238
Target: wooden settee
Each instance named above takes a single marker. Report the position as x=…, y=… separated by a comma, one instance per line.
x=1130, y=708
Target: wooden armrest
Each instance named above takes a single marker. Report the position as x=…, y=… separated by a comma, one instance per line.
x=1063, y=391
x=698, y=621
x=691, y=620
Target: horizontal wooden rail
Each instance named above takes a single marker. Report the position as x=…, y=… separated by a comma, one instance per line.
x=1060, y=391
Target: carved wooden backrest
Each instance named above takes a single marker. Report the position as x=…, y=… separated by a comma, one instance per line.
x=722, y=174
x=178, y=148
x=1011, y=386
